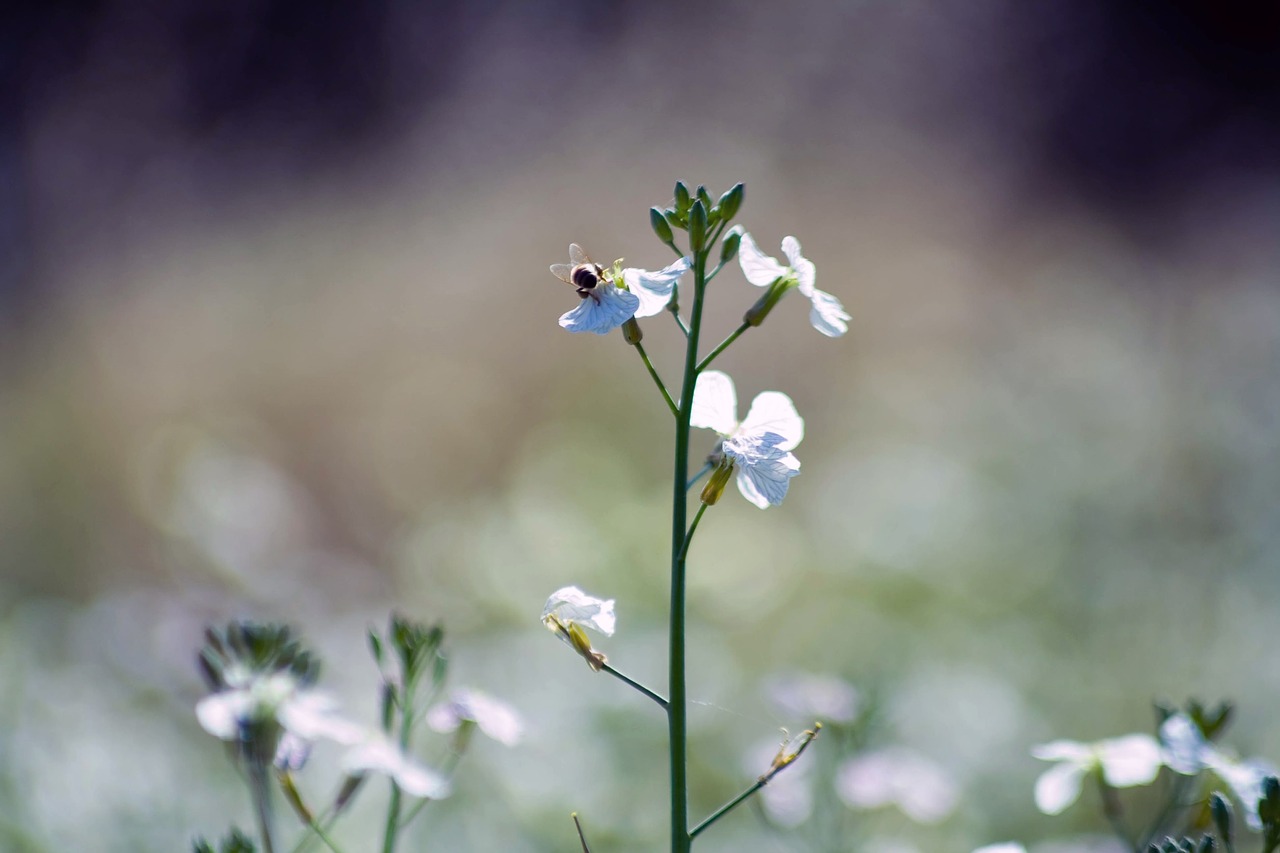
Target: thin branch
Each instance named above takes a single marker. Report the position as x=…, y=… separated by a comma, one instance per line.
x=657, y=380
x=637, y=685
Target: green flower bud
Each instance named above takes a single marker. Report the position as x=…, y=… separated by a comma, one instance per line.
x=631, y=332
x=659, y=224
x=1206, y=845
x=730, y=202
x=756, y=313
x=729, y=245
x=703, y=196
x=1220, y=811
x=714, y=488
x=682, y=198
x=697, y=226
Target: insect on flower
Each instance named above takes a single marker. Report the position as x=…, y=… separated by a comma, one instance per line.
x=582, y=272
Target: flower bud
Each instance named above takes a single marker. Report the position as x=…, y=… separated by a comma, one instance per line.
x=703, y=196
x=1220, y=811
x=697, y=226
x=730, y=202
x=682, y=198
x=756, y=313
x=714, y=488
x=660, y=225
x=729, y=245
x=631, y=332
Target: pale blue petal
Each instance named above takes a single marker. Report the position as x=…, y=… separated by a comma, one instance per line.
x=605, y=309
x=760, y=269
x=828, y=315
x=764, y=468
x=654, y=288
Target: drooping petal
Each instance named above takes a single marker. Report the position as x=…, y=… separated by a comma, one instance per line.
x=764, y=469
x=759, y=269
x=1130, y=760
x=715, y=403
x=570, y=604
x=828, y=315
x=773, y=411
x=312, y=715
x=381, y=756
x=1059, y=787
x=604, y=309
x=654, y=288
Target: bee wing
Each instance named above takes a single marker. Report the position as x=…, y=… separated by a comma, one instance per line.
x=577, y=255
x=562, y=271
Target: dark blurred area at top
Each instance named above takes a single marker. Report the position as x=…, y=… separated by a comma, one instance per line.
x=1130, y=108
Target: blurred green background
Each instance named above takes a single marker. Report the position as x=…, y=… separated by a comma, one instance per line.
x=279, y=340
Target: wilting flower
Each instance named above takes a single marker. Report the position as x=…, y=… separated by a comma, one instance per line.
x=605, y=305
x=1123, y=762
x=760, y=446
x=496, y=719
x=569, y=610
x=827, y=315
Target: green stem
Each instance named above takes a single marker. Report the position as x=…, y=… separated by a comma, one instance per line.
x=259, y=785
x=657, y=380
x=626, y=679
x=677, y=710
x=406, y=722
x=779, y=764
x=723, y=345
x=728, y=807
x=688, y=539
x=1114, y=813
x=675, y=312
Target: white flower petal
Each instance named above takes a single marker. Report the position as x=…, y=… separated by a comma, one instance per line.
x=222, y=713
x=570, y=604
x=1059, y=787
x=312, y=715
x=604, y=309
x=759, y=269
x=828, y=315
x=715, y=403
x=1064, y=750
x=764, y=469
x=1005, y=847
x=1184, y=746
x=381, y=756
x=292, y=752
x=773, y=411
x=654, y=288
x=1131, y=760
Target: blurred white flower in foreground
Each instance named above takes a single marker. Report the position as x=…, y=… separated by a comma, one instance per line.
x=827, y=315
x=814, y=697
x=1123, y=762
x=293, y=717
x=1006, y=847
x=760, y=444
x=496, y=719
x=898, y=776
x=569, y=610
x=653, y=289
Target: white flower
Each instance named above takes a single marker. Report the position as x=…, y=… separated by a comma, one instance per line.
x=827, y=315
x=301, y=717
x=496, y=719
x=569, y=610
x=605, y=306
x=1123, y=762
x=653, y=289
x=1006, y=847
x=1244, y=778
x=760, y=445
x=899, y=776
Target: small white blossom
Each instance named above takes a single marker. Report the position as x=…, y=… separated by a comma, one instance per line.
x=1124, y=762
x=898, y=776
x=496, y=719
x=654, y=289
x=1006, y=847
x=569, y=610
x=605, y=306
x=827, y=314
x=760, y=445
x=379, y=755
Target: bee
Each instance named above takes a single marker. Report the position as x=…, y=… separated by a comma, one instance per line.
x=582, y=272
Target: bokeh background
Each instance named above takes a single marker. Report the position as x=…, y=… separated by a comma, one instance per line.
x=277, y=339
